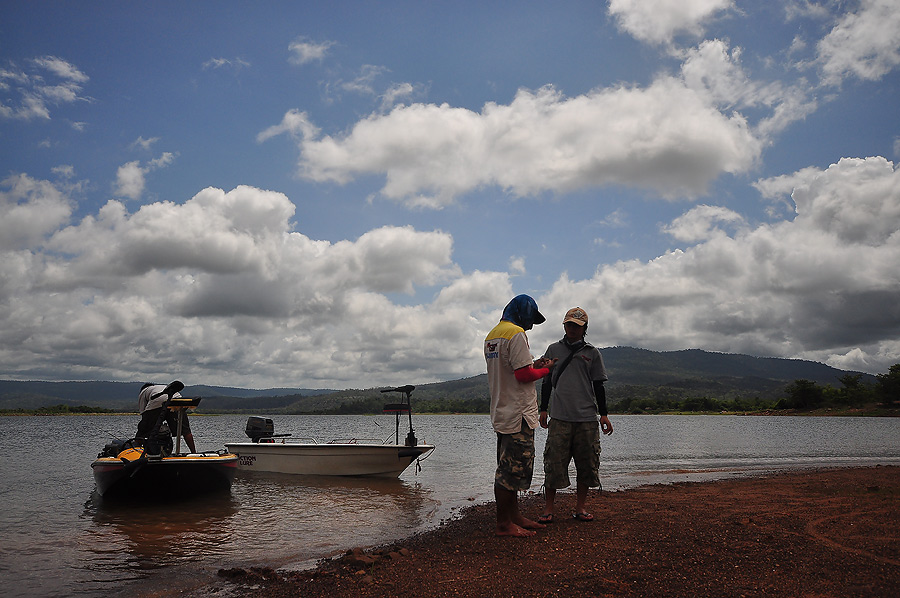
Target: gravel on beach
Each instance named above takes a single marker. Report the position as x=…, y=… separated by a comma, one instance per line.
x=808, y=533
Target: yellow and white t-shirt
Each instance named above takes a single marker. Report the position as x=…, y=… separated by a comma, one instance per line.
x=506, y=350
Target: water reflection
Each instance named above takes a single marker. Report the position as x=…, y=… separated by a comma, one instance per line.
x=308, y=516
x=301, y=517
x=132, y=536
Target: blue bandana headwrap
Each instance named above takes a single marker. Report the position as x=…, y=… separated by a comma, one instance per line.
x=523, y=311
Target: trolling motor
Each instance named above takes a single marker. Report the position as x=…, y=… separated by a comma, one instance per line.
x=401, y=407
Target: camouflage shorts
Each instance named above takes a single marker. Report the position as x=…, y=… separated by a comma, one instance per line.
x=567, y=441
x=515, y=459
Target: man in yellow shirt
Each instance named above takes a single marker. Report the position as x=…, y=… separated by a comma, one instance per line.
x=514, y=409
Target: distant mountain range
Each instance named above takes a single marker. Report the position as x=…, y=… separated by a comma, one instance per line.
x=690, y=372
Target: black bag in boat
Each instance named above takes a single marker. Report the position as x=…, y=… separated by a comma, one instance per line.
x=114, y=447
x=159, y=443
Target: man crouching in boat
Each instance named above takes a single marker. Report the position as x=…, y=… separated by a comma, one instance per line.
x=150, y=402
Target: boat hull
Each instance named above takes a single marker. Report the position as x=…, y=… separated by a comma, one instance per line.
x=129, y=476
x=334, y=459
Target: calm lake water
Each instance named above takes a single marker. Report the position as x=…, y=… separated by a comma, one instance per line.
x=58, y=538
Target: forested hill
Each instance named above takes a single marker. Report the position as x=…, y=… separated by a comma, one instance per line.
x=627, y=365
x=123, y=395
x=633, y=372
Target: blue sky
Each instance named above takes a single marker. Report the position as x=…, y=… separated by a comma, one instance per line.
x=346, y=194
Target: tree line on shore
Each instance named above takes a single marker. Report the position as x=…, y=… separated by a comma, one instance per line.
x=854, y=393
x=799, y=395
x=59, y=410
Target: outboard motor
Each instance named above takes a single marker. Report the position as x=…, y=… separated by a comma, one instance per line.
x=259, y=428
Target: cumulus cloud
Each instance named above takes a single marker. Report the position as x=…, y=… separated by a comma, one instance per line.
x=131, y=176
x=795, y=9
x=701, y=223
x=672, y=137
x=659, y=21
x=822, y=286
x=221, y=289
x=29, y=211
x=666, y=137
x=864, y=44
x=220, y=286
x=714, y=70
x=29, y=93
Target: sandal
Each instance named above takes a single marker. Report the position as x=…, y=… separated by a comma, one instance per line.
x=583, y=516
x=546, y=518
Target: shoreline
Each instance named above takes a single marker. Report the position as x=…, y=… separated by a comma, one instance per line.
x=821, y=532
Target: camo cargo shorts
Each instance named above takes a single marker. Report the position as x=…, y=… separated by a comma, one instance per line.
x=567, y=441
x=515, y=459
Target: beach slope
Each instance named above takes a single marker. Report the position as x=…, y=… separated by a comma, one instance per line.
x=814, y=534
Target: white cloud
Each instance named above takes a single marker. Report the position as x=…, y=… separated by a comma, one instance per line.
x=218, y=63
x=144, y=144
x=220, y=286
x=62, y=69
x=295, y=123
x=806, y=9
x=130, y=180
x=659, y=21
x=220, y=289
x=364, y=83
x=702, y=223
x=30, y=95
x=714, y=70
x=666, y=137
x=396, y=93
x=823, y=286
x=30, y=210
x=673, y=136
x=303, y=50
x=367, y=83
x=864, y=44
x=131, y=176
x=65, y=171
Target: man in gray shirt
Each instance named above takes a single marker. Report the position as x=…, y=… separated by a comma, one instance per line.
x=575, y=395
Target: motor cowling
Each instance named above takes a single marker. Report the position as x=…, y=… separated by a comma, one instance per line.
x=259, y=428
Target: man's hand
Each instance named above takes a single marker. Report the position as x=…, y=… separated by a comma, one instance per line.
x=544, y=423
x=605, y=425
x=543, y=362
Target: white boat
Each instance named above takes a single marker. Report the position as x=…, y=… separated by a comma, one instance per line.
x=278, y=453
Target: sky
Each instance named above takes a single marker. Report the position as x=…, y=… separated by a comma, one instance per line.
x=346, y=194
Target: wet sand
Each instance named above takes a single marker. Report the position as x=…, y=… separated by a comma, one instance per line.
x=815, y=534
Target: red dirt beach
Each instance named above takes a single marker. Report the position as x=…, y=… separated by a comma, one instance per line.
x=814, y=534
